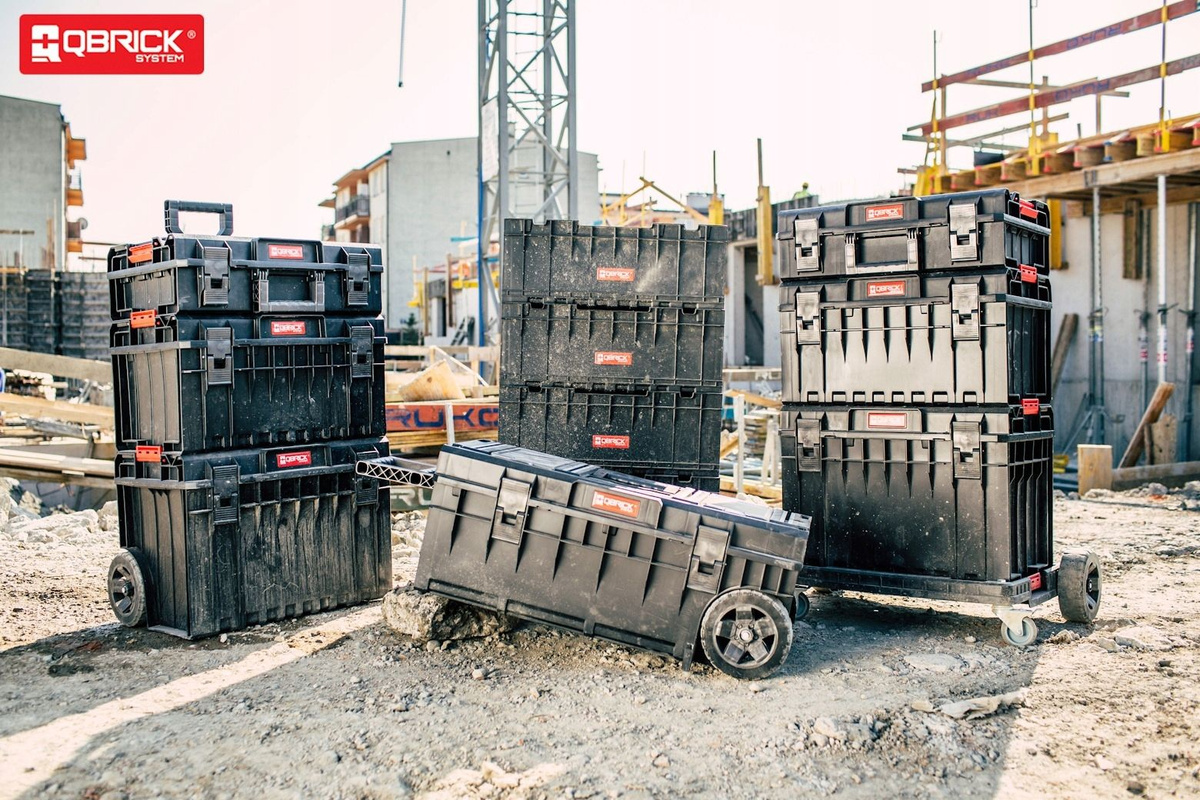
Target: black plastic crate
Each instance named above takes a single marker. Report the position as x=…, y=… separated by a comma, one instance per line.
x=563, y=260
x=917, y=339
x=567, y=544
x=222, y=275
x=958, y=494
x=704, y=478
x=238, y=538
x=573, y=344
x=666, y=428
x=195, y=384
x=966, y=230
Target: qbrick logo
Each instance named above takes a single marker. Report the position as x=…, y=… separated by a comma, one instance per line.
x=293, y=251
x=890, y=211
x=300, y=459
x=608, y=441
x=886, y=289
x=289, y=328
x=895, y=421
x=611, y=358
x=112, y=44
x=619, y=274
x=615, y=504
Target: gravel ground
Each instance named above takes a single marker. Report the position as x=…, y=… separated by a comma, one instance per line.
x=339, y=706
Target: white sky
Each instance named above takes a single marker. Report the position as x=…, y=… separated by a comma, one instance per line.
x=295, y=92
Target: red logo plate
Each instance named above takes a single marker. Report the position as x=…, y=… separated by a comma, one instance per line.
x=886, y=289
x=300, y=459
x=621, y=274
x=894, y=421
x=112, y=44
x=294, y=252
x=616, y=504
x=609, y=358
x=890, y=211
x=606, y=441
x=297, y=328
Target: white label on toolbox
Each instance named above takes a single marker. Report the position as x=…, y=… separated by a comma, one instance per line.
x=886, y=289
x=616, y=504
x=300, y=459
x=607, y=441
x=891, y=420
x=622, y=274
x=890, y=211
x=613, y=358
x=297, y=328
x=292, y=251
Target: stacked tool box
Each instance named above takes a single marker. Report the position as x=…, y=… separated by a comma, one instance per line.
x=917, y=425
x=84, y=320
x=248, y=380
x=612, y=346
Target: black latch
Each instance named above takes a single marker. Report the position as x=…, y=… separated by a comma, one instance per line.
x=964, y=232
x=358, y=279
x=964, y=311
x=808, y=317
x=219, y=356
x=366, y=489
x=968, y=461
x=214, y=277
x=808, y=244
x=512, y=504
x=362, y=351
x=808, y=445
x=225, y=482
x=708, y=559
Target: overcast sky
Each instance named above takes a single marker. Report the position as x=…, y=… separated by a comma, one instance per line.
x=296, y=92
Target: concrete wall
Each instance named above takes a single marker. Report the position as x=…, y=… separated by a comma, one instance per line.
x=742, y=291
x=31, y=180
x=1122, y=300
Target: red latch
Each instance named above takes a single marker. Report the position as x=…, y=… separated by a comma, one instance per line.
x=1028, y=209
x=150, y=453
x=1028, y=273
x=142, y=319
x=1035, y=581
x=1030, y=406
x=141, y=252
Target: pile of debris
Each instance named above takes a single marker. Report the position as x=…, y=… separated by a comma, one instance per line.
x=24, y=519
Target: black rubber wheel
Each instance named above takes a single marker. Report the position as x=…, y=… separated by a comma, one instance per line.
x=127, y=589
x=1079, y=585
x=746, y=634
x=802, y=606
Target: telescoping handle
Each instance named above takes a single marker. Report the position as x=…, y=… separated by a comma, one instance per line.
x=171, y=209
x=398, y=471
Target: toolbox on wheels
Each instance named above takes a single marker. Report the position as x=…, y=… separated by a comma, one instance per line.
x=966, y=230
x=219, y=541
x=915, y=339
x=632, y=561
x=192, y=383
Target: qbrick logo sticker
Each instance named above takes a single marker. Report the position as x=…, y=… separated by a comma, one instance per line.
x=619, y=274
x=890, y=421
x=890, y=211
x=615, y=504
x=608, y=441
x=297, y=328
x=300, y=459
x=611, y=358
x=886, y=289
x=112, y=44
x=292, y=251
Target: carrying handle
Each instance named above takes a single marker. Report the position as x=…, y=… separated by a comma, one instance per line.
x=171, y=209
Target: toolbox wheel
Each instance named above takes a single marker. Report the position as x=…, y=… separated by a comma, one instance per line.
x=127, y=589
x=802, y=606
x=1079, y=586
x=1024, y=637
x=746, y=634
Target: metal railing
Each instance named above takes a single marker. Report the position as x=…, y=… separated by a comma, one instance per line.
x=359, y=206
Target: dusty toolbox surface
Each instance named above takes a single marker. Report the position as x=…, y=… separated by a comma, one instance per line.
x=608, y=555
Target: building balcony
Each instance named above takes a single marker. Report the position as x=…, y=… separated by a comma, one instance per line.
x=356, y=212
x=74, y=236
x=74, y=190
x=328, y=233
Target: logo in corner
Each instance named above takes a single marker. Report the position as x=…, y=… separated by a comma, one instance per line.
x=616, y=504
x=112, y=44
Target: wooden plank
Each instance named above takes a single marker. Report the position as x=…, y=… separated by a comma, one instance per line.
x=752, y=487
x=53, y=463
x=1095, y=467
x=56, y=409
x=83, y=369
x=755, y=399
x=1134, y=170
x=1163, y=437
x=1176, y=474
x=1062, y=346
x=1157, y=403
x=751, y=374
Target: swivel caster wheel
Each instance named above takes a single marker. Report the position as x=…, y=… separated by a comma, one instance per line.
x=1022, y=636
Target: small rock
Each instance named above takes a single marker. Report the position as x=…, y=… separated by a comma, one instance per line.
x=933, y=662
x=661, y=761
x=923, y=705
x=432, y=645
x=224, y=638
x=755, y=688
x=1098, y=494
x=829, y=728
x=639, y=700
x=1064, y=637
x=478, y=674
x=1142, y=637
x=1104, y=764
x=820, y=740
x=970, y=640
x=426, y=617
x=1108, y=644
x=1156, y=489
x=1135, y=787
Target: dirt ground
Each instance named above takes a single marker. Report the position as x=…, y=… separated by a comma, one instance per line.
x=338, y=706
